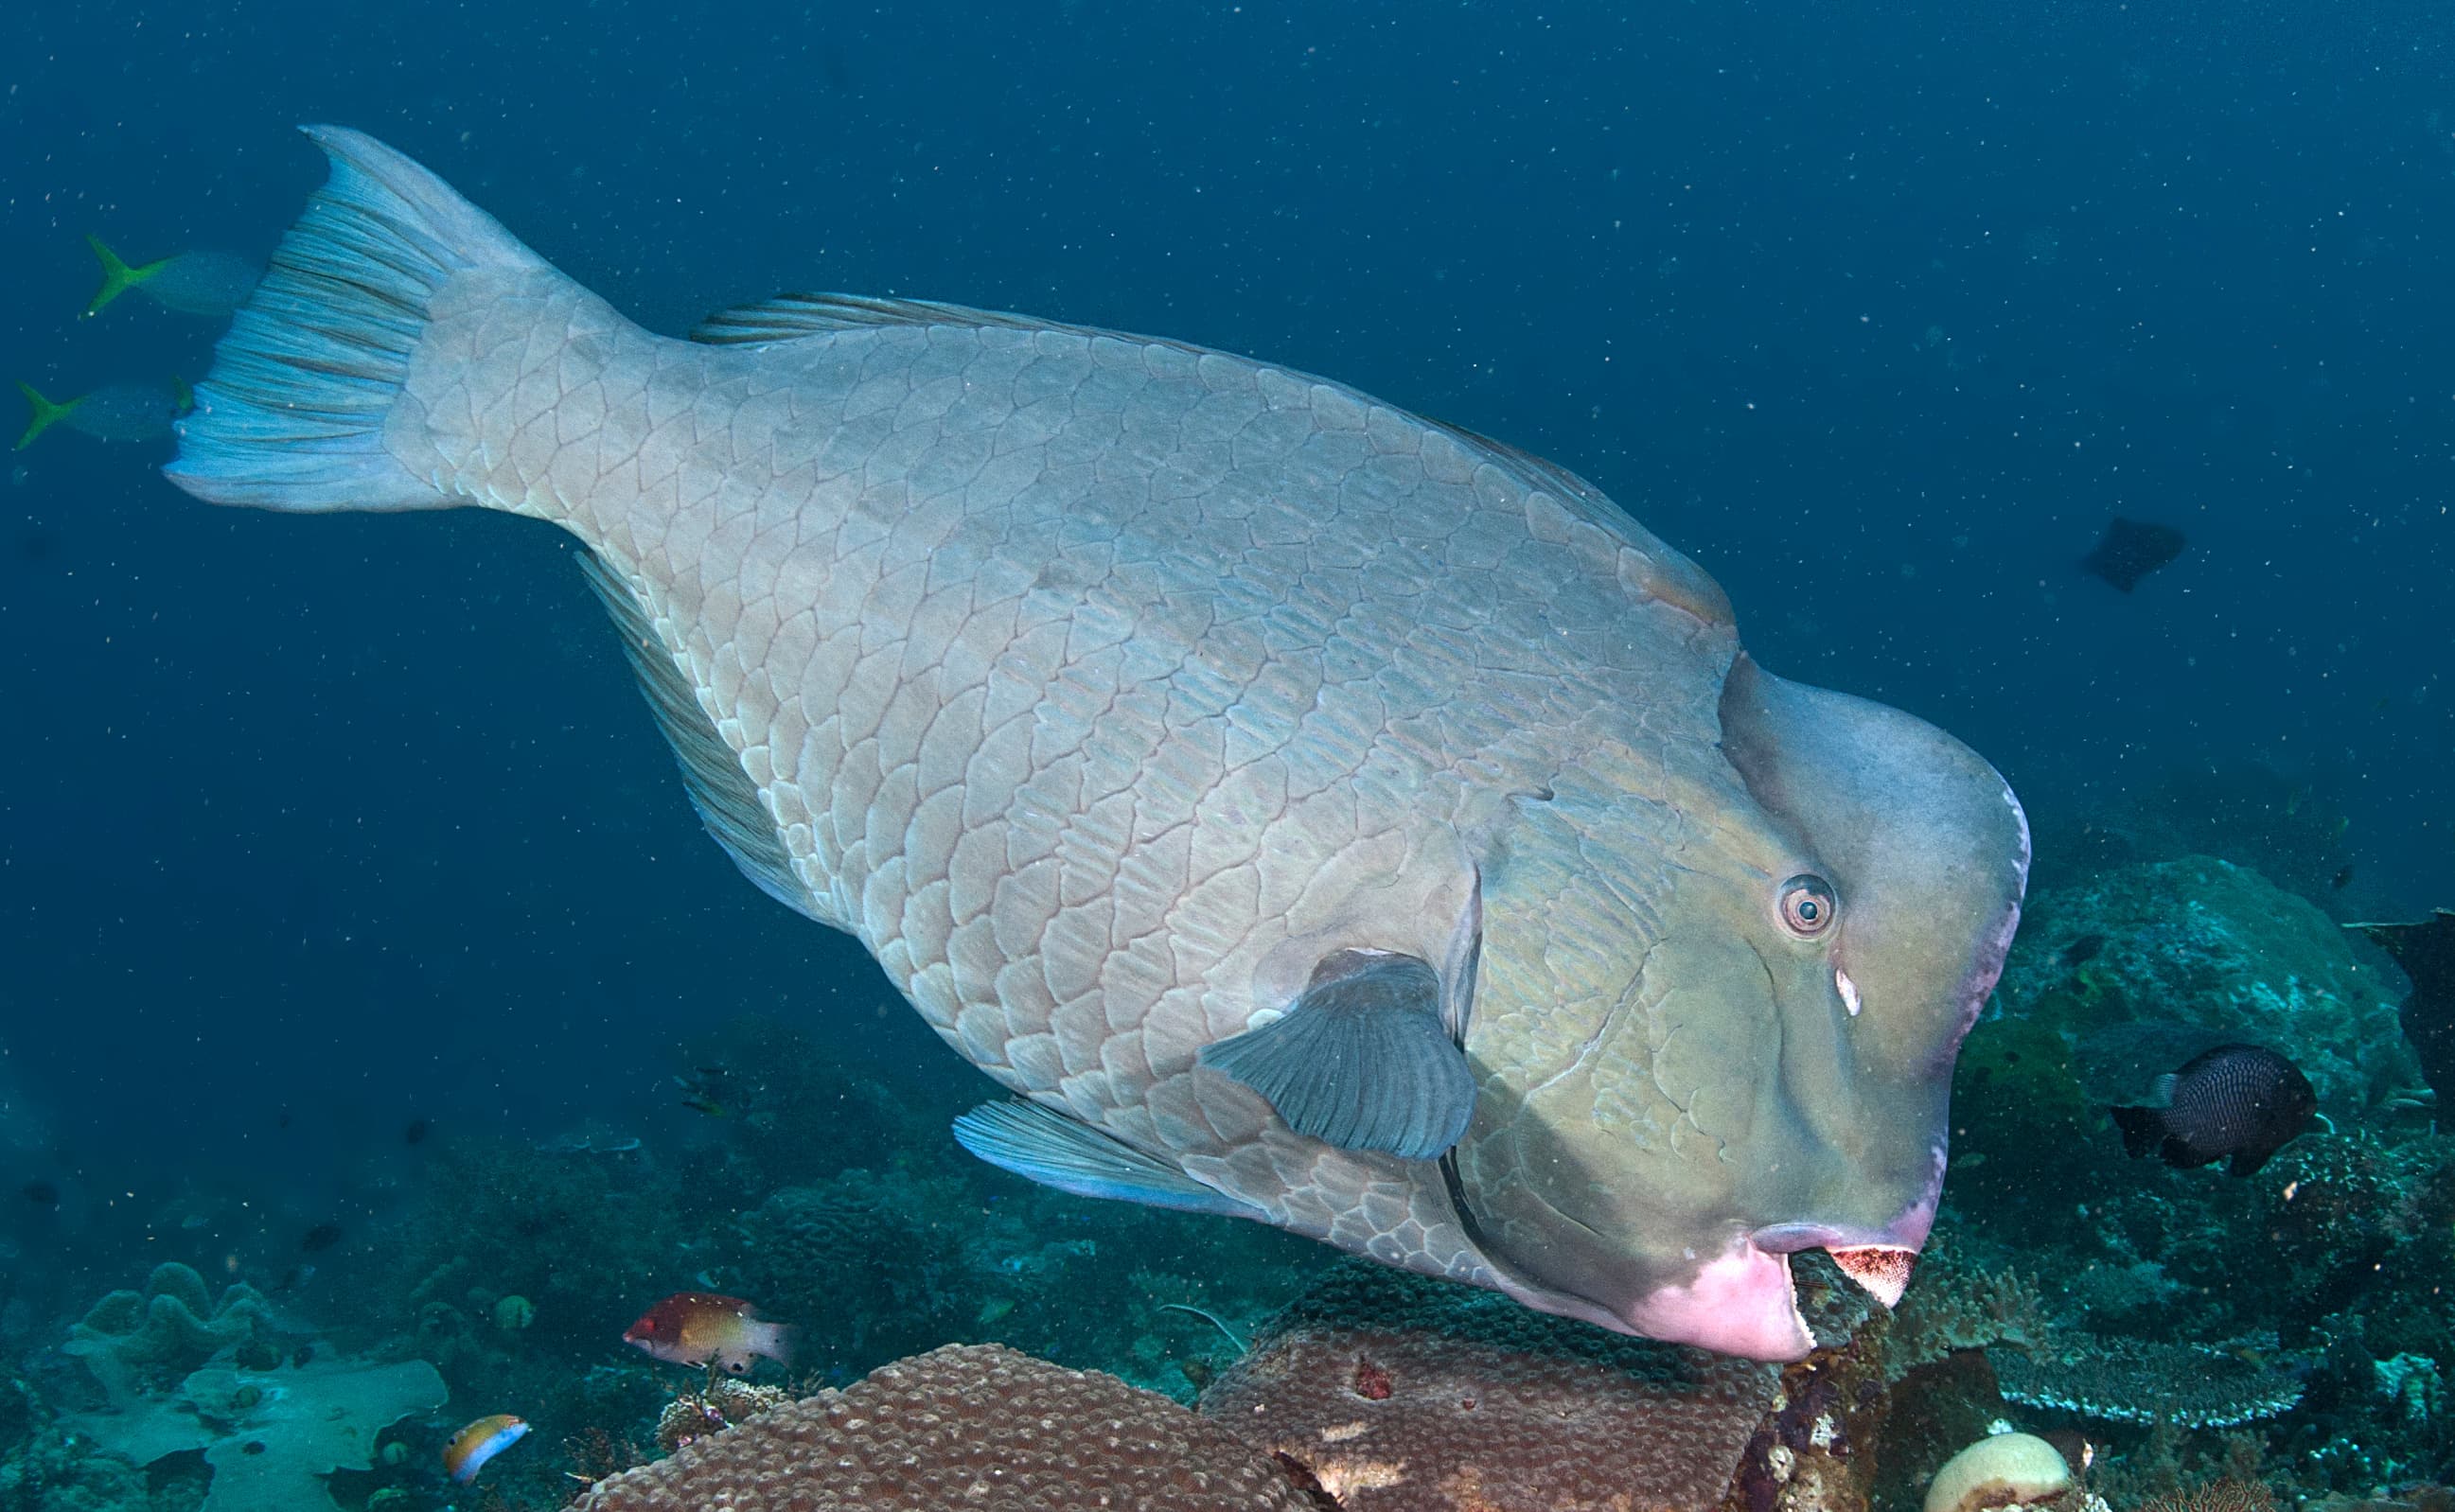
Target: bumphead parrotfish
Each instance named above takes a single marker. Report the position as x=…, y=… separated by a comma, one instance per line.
x=1313, y=813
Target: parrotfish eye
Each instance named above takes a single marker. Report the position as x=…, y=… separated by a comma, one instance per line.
x=1808, y=906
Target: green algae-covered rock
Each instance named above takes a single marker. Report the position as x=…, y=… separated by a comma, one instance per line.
x=2208, y=946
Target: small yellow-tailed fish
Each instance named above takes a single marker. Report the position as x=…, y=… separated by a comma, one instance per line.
x=481, y=1441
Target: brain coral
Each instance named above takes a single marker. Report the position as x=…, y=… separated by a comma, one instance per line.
x=969, y=1426
x=1400, y=1393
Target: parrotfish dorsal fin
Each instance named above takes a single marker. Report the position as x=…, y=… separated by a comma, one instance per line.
x=1041, y=1144
x=790, y=317
x=1361, y=1059
x=727, y=800
x=1538, y=470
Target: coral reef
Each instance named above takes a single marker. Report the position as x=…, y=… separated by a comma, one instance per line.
x=865, y=1267
x=519, y=1265
x=134, y=1342
x=2001, y=1469
x=2203, y=942
x=725, y=1404
x=2145, y=1381
x=2225, y=1494
x=1955, y=1306
x=1397, y=1392
x=963, y=1427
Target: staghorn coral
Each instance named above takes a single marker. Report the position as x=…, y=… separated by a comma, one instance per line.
x=968, y=1426
x=2145, y=1381
x=1397, y=1392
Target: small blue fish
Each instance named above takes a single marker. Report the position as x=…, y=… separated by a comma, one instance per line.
x=209, y=285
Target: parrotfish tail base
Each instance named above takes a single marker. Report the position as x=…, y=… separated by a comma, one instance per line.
x=117, y=278
x=293, y=415
x=46, y=413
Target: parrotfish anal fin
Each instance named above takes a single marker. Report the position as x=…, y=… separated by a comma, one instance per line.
x=789, y=318
x=1361, y=1060
x=727, y=800
x=1041, y=1144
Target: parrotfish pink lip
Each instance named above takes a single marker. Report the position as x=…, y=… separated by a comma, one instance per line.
x=1742, y=1302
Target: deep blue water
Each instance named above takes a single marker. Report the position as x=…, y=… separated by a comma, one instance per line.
x=313, y=826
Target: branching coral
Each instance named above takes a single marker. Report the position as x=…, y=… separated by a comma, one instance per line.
x=1952, y=1307
x=2145, y=1381
x=2226, y=1494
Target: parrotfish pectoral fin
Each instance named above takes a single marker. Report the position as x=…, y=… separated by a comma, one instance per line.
x=1041, y=1144
x=117, y=278
x=1362, y=1059
x=46, y=413
x=293, y=415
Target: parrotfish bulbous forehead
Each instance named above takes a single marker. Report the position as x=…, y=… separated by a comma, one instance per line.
x=1691, y=1073
x=1310, y=812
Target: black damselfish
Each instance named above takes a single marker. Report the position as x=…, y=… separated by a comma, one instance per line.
x=2239, y=1101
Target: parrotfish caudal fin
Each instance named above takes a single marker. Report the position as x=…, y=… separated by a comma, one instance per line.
x=293, y=415
x=117, y=278
x=46, y=413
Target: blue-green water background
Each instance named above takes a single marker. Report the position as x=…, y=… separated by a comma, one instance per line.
x=311, y=827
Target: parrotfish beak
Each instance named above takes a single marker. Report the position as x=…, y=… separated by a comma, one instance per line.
x=1883, y=1270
